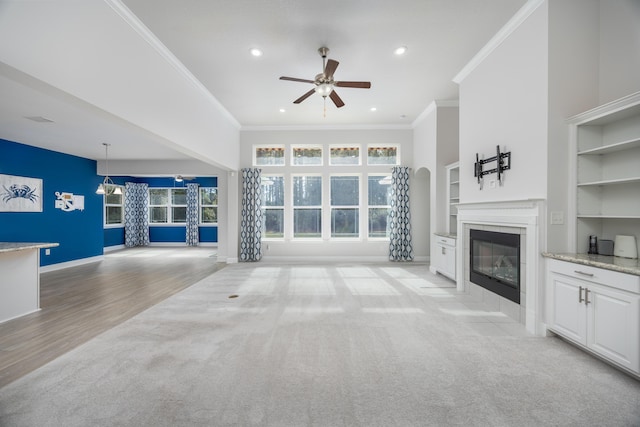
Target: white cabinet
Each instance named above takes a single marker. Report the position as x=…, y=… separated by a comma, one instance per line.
x=453, y=196
x=606, y=141
x=445, y=257
x=597, y=309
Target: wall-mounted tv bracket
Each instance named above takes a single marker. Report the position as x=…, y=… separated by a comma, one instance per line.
x=503, y=163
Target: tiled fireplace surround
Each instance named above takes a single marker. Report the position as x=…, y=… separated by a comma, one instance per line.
x=526, y=218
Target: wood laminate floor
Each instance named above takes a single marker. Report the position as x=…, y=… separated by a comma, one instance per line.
x=79, y=303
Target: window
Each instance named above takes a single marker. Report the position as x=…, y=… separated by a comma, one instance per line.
x=307, y=206
x=345, y=200
x=379, y=190
x=167, y=205
x=349, y=155
x=306, y=155
x=379, y=155
x=273, y=206
x=208, y=205
x=114, y=206
x=268, y=155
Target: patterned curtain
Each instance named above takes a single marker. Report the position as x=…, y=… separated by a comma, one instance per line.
x=399, y=216
x=136, y=215
x=193, y=217
x=251, y=221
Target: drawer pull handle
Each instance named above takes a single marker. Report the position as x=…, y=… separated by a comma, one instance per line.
x=586, y=296
x=583, y=273
x=580, y=299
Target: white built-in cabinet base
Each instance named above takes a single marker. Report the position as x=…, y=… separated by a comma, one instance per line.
x=596, y=309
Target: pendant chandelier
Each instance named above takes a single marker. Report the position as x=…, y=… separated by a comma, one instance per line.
x=107, y=186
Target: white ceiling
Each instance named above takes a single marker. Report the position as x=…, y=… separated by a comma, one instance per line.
x=212, y=40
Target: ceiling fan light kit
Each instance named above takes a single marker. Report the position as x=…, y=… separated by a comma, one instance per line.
x=324, y=83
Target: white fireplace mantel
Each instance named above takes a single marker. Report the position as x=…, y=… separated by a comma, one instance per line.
x=529, y=214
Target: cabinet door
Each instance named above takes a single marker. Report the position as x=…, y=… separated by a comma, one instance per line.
x=450, y=261
x=613, y=324
x=569, y=313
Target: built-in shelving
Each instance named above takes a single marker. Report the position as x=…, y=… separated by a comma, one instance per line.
x=606, y=143
x=453, y=196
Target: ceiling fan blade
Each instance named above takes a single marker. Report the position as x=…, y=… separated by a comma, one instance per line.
x=305, y=96
x=293, y=79
x=330, y=68
x=336, y=99
x=361, y=85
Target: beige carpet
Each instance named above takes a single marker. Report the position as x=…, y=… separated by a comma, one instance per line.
x=383, y=344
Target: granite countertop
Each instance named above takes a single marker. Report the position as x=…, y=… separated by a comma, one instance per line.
x=21, y=246
x=449, y=235
x=614, y=263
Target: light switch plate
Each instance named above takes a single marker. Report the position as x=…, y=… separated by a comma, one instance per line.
x=557, y=218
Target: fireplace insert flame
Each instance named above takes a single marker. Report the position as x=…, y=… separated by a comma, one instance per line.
x=495, y=262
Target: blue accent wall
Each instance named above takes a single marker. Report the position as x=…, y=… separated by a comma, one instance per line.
x=114, y=236
x=79, y=233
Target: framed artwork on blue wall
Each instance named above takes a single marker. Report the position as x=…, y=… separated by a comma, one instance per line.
x=20, y=194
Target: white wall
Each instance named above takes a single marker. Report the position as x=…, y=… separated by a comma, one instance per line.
x=573, y=88
x=504, y=102
x=619, y=49
x=435, y=145
x=363, y=249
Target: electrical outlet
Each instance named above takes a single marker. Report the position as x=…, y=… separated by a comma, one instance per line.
x=492, y=183
x=557, y=218
x=47, y=251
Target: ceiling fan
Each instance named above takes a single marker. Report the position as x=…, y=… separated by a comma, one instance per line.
x=324, y=83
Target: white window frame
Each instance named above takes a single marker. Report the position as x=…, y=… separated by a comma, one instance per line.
x=201, y=206
x=369, y=206
x=280, y=147
x=345, y=146
x=275, y=207
x=168, y=206
x=295, y=147
x=356, y=207
x=320, y=206
x=396, y=146
x=107, y=205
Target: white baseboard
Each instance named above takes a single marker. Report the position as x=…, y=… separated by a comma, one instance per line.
x=182, y=244
x=74, y=263
x=113, y=248
x=314, y=258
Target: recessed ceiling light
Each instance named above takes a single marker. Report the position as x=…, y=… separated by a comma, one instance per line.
x=282, y=110
x=255, y=51
x=400, y=50
x=373, y=109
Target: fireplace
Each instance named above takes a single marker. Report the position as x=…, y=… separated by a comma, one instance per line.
x=495, y=262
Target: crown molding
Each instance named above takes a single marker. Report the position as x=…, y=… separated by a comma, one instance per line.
x=438, y=103
x=146, y=34
x=512, y=25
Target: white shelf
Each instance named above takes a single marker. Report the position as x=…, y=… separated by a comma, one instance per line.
x=453, y=196
x=630, y=180
x=608, y=216
x=612, y=148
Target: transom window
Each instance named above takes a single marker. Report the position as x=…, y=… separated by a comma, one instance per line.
x=344, y=155
x=268, y=155
x=383, y=155
x=167, y=205
x=306, y=155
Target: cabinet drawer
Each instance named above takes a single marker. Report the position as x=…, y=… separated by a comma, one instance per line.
x=614, y=279
x=448, y=241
